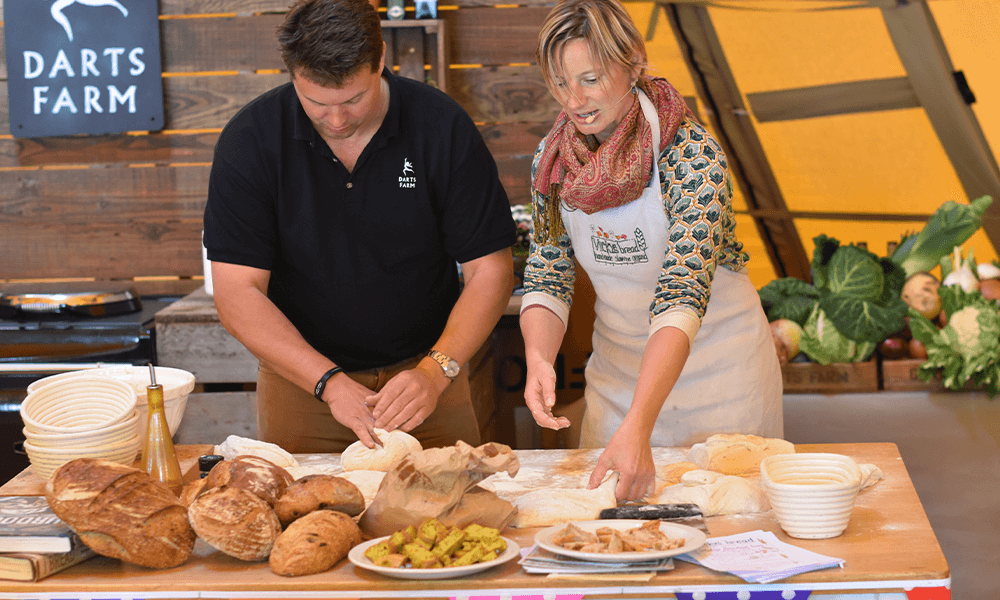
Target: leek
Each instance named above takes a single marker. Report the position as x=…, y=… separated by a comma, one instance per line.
x=950, y=225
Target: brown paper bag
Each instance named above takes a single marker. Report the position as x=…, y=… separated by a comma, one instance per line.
x=441, y=483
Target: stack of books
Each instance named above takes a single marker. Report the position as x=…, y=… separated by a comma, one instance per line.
x=34, y=542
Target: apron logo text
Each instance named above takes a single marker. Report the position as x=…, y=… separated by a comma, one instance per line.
x=618, y=249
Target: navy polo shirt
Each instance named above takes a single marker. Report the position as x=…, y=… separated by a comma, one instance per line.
x=362, y=262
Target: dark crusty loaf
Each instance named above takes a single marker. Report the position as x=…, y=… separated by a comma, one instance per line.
x=314, y=543
x=121, y=512
x=254, y=474
x=315, y=492
x=235, y=521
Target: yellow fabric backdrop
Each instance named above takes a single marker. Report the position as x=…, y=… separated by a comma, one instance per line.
x=878, y=163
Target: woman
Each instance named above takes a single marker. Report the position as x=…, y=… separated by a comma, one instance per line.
x=682, y=348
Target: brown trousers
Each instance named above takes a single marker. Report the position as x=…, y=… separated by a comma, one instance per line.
x=294, y=419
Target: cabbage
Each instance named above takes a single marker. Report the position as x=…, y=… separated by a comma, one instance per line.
x=858, y=291
x=825, y=344
x=968, y=347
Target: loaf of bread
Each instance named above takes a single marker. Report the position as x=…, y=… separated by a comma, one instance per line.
x=121, y=512
x=192, y=490
x=254, y=474
x=236, y=522
x=315, y=492
x=314, y=543
x=736, y=453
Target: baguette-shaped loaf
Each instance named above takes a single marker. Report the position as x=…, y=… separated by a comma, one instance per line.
x=315, y=492
x=236, y=522
x=121, y=512
x=254, y=474
x=314, y=543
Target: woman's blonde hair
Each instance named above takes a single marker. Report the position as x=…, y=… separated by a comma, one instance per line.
x=605, y=25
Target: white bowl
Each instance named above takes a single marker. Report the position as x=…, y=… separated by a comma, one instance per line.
x=44, y=461
x=812, y=494
x=78, y=404
x=177, y=385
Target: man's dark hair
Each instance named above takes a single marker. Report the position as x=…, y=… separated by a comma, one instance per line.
x=330, y=40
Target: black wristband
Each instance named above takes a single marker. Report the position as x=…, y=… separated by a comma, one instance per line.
x=321, y=384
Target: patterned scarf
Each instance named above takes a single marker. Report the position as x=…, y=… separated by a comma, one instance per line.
x=612, y=175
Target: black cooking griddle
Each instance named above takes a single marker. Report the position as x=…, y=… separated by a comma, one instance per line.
x=83, y=299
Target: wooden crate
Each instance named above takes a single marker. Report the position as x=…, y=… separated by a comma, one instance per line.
x=901, y=376
x=832, y=379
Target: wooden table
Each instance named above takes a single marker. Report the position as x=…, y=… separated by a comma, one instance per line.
x=888, y=547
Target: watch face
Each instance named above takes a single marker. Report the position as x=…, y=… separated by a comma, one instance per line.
x=451, y=369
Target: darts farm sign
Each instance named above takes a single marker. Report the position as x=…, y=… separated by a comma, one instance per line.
x=83, y=66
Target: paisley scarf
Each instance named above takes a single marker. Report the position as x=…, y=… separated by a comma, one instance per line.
x=616, y=172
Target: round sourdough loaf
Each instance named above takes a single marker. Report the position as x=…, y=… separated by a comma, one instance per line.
x=315, y=492
x=314, y=543
x=395, y=445
x=236, y=522
x=254, y=474
x=121, y=512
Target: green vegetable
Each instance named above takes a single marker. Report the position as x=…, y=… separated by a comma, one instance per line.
x=858, y=291
x=824, y=344
x=968, y=347
x=788, y=298
x=950, y=225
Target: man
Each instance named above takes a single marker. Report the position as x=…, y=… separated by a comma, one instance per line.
x=338, y=207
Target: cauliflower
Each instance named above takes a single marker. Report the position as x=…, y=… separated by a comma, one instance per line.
x=968, y=347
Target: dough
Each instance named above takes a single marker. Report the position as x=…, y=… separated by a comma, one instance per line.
x=366, y=481
x=239, y=446
x=551, y=506
x=870, y=474
x=395, y=445
x=716, y=494
x=736, y=453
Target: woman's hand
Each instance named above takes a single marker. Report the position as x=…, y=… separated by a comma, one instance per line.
x=629, y=454
x=540, y=394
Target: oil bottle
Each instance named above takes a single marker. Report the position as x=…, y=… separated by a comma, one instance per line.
x=159, y=458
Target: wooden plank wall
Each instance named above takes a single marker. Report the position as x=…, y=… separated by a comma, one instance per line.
x=130, y=206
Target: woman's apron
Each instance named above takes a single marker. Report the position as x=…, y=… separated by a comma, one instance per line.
x=731, y=382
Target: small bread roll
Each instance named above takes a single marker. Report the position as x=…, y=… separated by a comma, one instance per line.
x=315, y=492
x=314, y=543
x=254, y=474
x=236, y=522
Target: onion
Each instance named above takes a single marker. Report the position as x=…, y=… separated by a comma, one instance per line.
x=786, y=334
x=893, y=347
x=917, y=349
x=987, y=271
x=920, y=292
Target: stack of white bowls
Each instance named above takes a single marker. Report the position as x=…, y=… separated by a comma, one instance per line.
x=80, y=417
x=177, y=385
x=812, y=494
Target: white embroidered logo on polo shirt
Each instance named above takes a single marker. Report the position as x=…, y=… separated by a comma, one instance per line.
x=404, y=180
x=613, y=249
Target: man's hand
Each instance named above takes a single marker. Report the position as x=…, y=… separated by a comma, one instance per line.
x=631, y=457
x=346, y=399
x=409, y=397
x=540, y=395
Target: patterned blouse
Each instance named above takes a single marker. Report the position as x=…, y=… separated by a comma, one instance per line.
x=697, y=198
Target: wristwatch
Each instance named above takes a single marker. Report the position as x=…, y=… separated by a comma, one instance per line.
x=448, y=364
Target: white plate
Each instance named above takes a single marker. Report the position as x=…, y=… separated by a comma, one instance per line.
x=357, y=556
x=693, y=539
